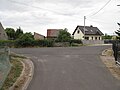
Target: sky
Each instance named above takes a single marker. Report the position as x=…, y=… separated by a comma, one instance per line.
x=40, y=15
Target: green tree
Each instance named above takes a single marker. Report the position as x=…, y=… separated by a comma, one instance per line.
x=25, y=40
x=18, y=32
x=118, y=31
x=11, y=33
x=64, y=36
x=106, y=36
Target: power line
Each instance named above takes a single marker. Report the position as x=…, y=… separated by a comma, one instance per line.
x=12, y=1
x=101, y=8
x=34, y=6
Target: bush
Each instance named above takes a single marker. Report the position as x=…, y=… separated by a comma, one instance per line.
x=9, y=43
x=26, y=40
x=24, y=43
x=44, y=43
x=76, y=41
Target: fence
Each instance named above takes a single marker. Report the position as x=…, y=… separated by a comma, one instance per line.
x=4, y=64
x=93, y=41
x=116, y=50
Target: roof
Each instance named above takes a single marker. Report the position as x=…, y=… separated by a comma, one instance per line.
x=89, y=30
x=53, y=32
x=3, y=35
x=38, y=34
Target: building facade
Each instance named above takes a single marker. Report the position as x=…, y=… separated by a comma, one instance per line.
x=87, y=33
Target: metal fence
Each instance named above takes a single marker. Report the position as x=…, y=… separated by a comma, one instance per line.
x=5, y=65
x=116, y=50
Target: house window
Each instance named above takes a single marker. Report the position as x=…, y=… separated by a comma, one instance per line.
x=95, y=38
x=92, y=38
x=78, y=31
x=99, y=38
x=87, y=38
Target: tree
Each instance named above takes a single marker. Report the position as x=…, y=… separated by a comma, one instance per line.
x=64, y=36
x=25, y=40
x=106, y=36
x=18, y=32
x=11, y=33
x=118, y=31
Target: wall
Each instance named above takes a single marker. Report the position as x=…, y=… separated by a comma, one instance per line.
x=3, y=35
x=78, y=36
x=93, y=41
x=90, y=37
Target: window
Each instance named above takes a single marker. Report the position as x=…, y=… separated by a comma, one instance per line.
x=92, y=38
x=99, y=38
x=78, y=31
x=87, y=38
x=95, y=38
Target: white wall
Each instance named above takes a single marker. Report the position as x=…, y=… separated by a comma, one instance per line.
x=78, y=36
x=90, y=37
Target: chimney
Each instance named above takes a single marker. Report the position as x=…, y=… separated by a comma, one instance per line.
x=91, y=25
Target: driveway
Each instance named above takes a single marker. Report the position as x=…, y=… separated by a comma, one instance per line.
x=69, y=69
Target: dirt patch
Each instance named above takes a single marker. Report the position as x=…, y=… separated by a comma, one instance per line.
x=109, y=61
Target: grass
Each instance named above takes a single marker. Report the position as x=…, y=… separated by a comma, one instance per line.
x=109, y=61
x=16, y=69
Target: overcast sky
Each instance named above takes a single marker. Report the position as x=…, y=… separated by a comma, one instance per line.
x=40, y=15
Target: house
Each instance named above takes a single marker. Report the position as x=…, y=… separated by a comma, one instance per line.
x=38, y=36
x=53, y=33
x=3, y=35
x=90, y=33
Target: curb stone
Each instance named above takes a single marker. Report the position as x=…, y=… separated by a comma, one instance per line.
x=30, y=75
x=26, y=63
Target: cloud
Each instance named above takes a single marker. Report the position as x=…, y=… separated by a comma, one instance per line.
x=38, y=15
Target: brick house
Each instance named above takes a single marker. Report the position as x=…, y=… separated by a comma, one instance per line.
x=53, y=33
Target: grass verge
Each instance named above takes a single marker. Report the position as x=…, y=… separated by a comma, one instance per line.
x=109, y=61
x=16, y=69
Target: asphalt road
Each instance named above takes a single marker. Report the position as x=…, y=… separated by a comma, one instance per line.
x=69, y=69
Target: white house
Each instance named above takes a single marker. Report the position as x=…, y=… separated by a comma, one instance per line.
x=90, y=33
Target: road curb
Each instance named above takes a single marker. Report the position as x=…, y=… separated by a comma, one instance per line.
x=31, y=65
x=26, y=63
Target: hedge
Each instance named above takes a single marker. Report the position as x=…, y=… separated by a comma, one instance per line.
x=9, y=43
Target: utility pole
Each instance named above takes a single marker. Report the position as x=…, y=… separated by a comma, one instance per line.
x=84, y=26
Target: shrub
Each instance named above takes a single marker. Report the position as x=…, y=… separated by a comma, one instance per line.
x=26, y=40
x=76, y=41
x=9, y=43
x=44, y=43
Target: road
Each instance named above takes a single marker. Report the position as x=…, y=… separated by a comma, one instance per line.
x=78, y=68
